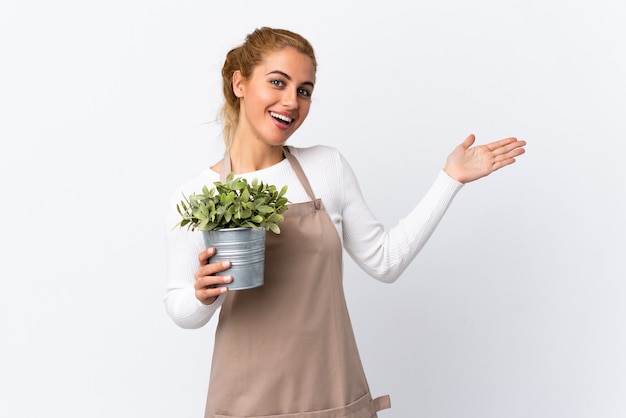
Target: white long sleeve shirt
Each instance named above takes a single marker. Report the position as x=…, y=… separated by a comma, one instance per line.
x=384, y=255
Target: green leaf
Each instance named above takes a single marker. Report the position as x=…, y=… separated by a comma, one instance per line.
x=274, y=228
x=245, y=195
x=239, y=184
x=265, y=209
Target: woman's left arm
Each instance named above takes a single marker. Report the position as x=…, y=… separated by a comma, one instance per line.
x=385, y=254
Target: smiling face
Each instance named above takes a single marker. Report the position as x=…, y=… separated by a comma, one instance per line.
x=275, y=100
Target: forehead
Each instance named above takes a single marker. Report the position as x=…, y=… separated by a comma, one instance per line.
x=289, y=61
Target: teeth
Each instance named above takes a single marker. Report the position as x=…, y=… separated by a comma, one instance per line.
x=281, y=117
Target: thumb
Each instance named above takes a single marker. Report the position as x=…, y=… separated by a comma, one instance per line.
x=468, y=141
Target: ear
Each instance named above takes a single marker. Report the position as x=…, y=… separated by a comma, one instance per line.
x=238, y=83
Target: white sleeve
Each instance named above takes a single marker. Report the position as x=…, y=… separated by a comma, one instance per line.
x=384, y=255
x=183, y=248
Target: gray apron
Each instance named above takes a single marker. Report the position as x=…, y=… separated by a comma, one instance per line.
x=287, y=348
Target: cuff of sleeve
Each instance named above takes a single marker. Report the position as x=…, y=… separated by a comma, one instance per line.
x=444, y=180
x=212, y=307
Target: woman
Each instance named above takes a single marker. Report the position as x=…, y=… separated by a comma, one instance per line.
x=288, y=347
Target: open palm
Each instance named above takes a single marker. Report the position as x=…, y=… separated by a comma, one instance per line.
x=467, y=163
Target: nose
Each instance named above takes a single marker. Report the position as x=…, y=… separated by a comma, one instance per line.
x=290, y=98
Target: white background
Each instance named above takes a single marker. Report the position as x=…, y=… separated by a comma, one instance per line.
x=515, y=308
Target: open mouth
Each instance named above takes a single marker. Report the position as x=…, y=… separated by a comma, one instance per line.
x=281, y=118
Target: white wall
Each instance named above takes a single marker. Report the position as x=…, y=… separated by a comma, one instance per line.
x=514, y=309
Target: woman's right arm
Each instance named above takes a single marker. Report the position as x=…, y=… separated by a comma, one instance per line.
x=191, y=299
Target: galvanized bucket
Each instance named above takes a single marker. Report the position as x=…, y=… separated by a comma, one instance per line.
x=245, y=249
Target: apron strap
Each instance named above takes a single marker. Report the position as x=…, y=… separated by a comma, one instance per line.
x=225, y=170
x=380, y=403
x=295, y=164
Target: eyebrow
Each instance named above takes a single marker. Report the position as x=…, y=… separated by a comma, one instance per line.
x=288, y=77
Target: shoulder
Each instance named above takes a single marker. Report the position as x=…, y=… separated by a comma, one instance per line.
x=314, y=151
x=328, y=172
x=318, y=157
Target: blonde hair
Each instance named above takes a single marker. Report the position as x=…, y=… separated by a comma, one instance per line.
x=244, y=58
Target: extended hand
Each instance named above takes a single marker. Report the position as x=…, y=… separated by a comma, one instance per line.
x=467, y=163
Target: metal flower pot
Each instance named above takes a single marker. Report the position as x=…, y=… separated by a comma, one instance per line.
x=245, y=249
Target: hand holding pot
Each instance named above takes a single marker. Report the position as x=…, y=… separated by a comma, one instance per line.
x=206, y=281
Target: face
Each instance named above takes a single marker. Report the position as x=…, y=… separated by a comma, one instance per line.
x=276, y=99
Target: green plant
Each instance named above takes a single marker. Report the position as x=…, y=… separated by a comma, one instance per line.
x=234, y=204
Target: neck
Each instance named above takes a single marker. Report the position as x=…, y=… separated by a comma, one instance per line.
x=246, y=158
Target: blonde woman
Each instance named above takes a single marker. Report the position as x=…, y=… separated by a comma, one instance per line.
x=287, y=349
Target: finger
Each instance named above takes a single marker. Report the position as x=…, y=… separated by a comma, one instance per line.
x=204, y=256
x=510, y=147
x=208, y=295
x=469, y=141
x=213, y=268
x=510, y=153
x=211, y=282
x=497, y=145
x=499, y=164
x=507, y=159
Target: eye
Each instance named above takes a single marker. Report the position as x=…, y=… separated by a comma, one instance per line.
x=277, y=83
x=304, y=92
